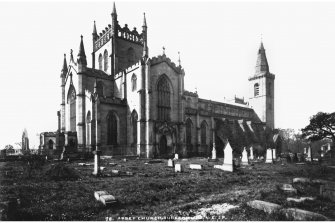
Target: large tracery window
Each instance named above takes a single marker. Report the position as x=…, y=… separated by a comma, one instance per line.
x=256, y=89
x=71, y=100
x=112, y=128
x=203, y=132
x=105, y=60
x=164, y=105
x=100, y=61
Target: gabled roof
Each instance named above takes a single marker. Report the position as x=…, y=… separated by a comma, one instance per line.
x=163, y=58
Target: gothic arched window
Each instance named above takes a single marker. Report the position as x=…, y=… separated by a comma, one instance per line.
x=105, y=60
x=256, y=89
x=112, y=129
x=164, y=106
x=71, y=100
x=189, y=134
x=100, y=61
x=134, y=118
x=203, y=132
x=133, y=82
x=131, y=55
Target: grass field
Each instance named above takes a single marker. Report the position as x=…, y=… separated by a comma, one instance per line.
x=155, y=190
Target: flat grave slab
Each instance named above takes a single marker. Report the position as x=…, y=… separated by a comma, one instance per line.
x=302, y=215
x=301, y=199
x=97, y=194
x=107, y=199
x=195, y=167
x=264, y=206
x=301, y=180
x=288, y=188
x=224, y=167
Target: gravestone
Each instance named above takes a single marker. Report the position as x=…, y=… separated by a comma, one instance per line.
x=288, y=188
x=269, y=156
x=244, y=157
x=97, y=194
x=107, y=199
x=214, y=154
x=228, y=159
x=97, y=154
x=305, y=150
x=176, y=156
x=251, y=153
x=195, y=166
x=170, y=163
x=309, y=154
x=178, y=168
x=274, y=155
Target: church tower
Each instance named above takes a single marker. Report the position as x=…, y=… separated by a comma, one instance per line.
x=262, y=90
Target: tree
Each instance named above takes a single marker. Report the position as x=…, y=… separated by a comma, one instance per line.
x=321, y=126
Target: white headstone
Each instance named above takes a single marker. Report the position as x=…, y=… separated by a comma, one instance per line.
x=228, y=159
x=214, y=153
x=178, y=168
x=195, y=166
x=305, y=150
x=244, y=156
x=228, y=154
x=176, y=156
x=251, y=153
x=309, y=155
x=328, y=147
x=170, y=163
x=269, y=156
x=274, y=156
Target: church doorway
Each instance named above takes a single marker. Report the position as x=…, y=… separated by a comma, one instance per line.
x=163, y=146
x=51, y=144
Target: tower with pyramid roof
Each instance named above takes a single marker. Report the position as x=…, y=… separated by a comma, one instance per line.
x=262, y=90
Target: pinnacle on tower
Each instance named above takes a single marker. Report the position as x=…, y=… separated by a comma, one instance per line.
x=94, y=30
x=144, y=20
x=114, y=9
x=64, y=69
x=81, y=54
x=262, y=63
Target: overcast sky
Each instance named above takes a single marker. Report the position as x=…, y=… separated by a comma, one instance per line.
x=218, y=42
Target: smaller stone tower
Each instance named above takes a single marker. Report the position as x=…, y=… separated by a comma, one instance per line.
x=262, y=90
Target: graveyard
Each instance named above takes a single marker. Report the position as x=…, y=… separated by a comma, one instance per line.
x=153, y=189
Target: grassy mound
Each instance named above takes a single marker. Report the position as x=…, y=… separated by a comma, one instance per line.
x=61, y=172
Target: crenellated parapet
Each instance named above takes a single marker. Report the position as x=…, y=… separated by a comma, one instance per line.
x=163, y=58
x=191, y=94
x=132, y=36
x=128, y=69
x=103, y=37
x=122, y=32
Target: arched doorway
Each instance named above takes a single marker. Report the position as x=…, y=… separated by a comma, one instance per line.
x=163, y=146
x=50, y=144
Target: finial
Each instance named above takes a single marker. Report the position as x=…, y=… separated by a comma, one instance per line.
x=144, y=20
x=163, y=50
x=261, y=37
x=114, y=8
x=179, y=59
x=196, y=90
x=94, y=29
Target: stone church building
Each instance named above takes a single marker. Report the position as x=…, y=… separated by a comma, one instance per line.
x=129, y=103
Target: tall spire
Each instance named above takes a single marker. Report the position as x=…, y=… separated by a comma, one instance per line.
x=114, y=9
x=64, y=69
x=262, y=63
x=81, y=54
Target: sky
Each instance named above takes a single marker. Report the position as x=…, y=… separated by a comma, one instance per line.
x=218, y=43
